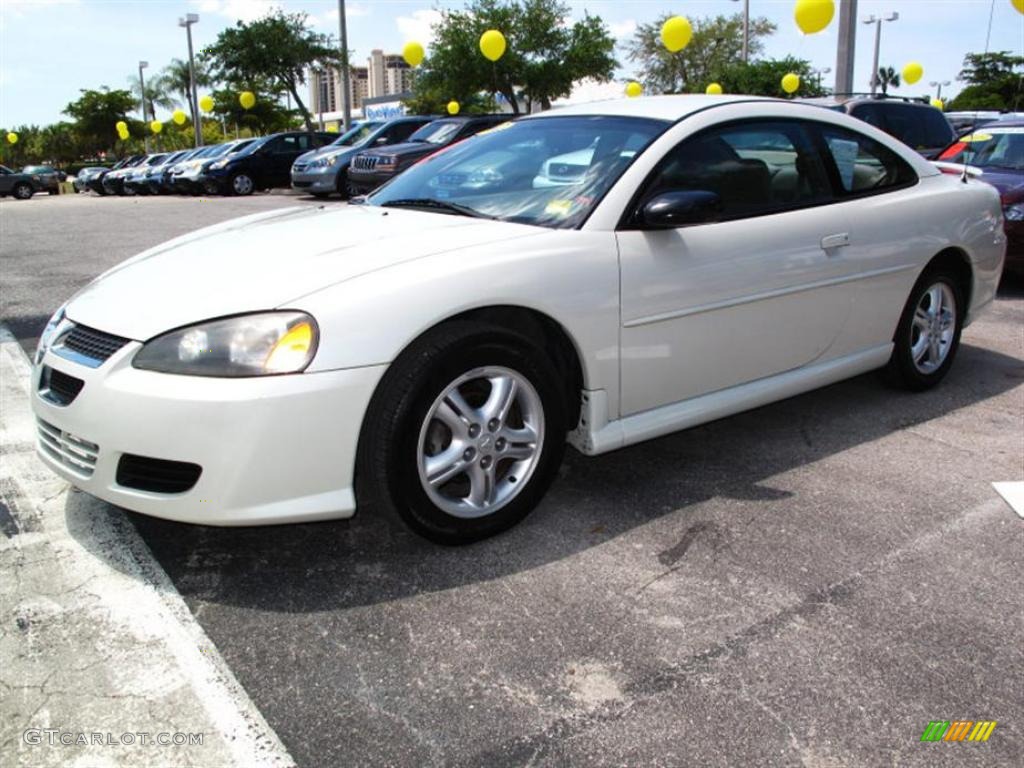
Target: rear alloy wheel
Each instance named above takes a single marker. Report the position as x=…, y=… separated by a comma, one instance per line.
x=928, y=335
x=242, y=184
x=465, y=432
x=22, y=191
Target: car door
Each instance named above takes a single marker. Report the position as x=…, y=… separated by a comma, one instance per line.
x=759, y=292
x=283, y=151
x=6, y=181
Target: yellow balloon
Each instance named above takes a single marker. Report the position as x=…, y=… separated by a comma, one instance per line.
x=332, y=128
x=713, y=90
x=492, y=44
x=634, y=89
x=121, y=125
x=206, y=103
x=938, y=103
x=413, y=54
x=1018, y=4
x=12, y=138
x=247, y=99
x=156, y=126
x=791, y=82
x=676, y=33
x=913, y=72
x=178, y=117
x=453, y=107
x=813, y=15
x=123, y=135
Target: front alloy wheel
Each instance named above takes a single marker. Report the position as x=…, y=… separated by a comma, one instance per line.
x=465, y=432
x=23, y=191
x=480, y=442
x=242, y=184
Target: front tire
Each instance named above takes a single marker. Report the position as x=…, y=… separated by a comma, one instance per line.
x=465, y=433
x=928, y=334
x=22, y=191
x=242, y=184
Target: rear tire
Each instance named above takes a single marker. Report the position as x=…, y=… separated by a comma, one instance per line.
x=928, y=334
x=485, y=473
x=242, y=184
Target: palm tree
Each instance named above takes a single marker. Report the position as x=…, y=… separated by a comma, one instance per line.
x=175, y=79
x=887, y=76
x=156, y=95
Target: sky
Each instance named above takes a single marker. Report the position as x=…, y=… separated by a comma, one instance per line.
x=49, y=49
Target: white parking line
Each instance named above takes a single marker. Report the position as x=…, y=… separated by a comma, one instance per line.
x=107, y=644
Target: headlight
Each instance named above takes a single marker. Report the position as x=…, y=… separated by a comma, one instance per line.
x=483, y=178
x=324, y=162
x=46, y=337
x=1014, y=212
x=218, y=164
x=249, y=345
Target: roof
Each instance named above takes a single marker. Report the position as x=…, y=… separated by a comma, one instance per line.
x=669, y=107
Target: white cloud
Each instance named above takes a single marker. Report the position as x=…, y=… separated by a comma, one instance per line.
x=418, y=25
x=237, y=10
x=621, y=30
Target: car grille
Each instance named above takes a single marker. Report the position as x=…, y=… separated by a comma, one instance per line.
x=72, y=452
x=145, y=473
x=95, y=346
x=302, y=184
x=57, y=387
x=365, y=162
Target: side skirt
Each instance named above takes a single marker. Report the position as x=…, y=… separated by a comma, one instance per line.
x=595, y=434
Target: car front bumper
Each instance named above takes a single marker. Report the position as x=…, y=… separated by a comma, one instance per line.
x=275, y=449
x=319, y=183
x=362, y=182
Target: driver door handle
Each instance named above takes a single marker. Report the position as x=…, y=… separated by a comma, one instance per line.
x=835, y=241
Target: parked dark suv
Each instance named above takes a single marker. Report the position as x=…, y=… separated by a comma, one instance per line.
x=265, y=163
x=372, y=168
x=915, y=122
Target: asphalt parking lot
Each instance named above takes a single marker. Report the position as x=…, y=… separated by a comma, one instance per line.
x=809, y=583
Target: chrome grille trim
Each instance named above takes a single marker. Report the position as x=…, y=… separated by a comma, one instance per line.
x=88, y=346
x=365, y=162
x=74, y=453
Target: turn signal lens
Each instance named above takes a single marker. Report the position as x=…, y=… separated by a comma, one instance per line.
x=292, y=350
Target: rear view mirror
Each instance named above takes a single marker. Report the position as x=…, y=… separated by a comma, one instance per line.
x=669, y=210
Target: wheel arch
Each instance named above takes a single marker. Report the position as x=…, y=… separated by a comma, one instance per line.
x=958, y=262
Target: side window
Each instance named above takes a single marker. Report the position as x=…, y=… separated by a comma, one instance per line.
x=937, y=130
x=871, y=114
x=862, y=164
x=756, y=168
x=401, y=131
x=290, y=144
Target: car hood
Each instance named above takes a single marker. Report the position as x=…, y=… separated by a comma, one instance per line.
x=266, y=261
x=406, y=149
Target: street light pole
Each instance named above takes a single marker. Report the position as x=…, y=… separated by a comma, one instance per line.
x=846, y=48
x=187, y=21
x=877, y=21
x=746, y=30
x=346, y=92
x=934, y=83
x=142, y=101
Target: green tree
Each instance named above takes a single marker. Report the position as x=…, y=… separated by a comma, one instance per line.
x=156, y=95
x=175, y=79
x=546, y=53
x=278, y=48
x=96, y=113
x=716, y=44
x=764, y=78
x=887, y=78
x=994, y=81
x=266, y=116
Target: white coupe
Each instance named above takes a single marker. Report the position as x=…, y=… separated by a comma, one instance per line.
x=436, y=347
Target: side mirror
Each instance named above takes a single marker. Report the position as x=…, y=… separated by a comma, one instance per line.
x=678, y=209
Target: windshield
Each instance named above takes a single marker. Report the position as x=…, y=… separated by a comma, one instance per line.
x=989, y=147
x=356, y=135
x=437, y=132
x=549, y=172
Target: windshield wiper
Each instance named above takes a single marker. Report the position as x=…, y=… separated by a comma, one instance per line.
x=440, y=205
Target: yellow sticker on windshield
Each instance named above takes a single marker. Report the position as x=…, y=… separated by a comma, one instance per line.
x=977, y=137
x=559, y=207
x=495, y=129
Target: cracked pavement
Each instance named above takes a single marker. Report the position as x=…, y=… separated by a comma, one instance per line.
x=809, y=583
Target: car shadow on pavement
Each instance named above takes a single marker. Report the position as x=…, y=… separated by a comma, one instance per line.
x=373, y=558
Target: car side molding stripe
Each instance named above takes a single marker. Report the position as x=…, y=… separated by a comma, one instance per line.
x=726, y=303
